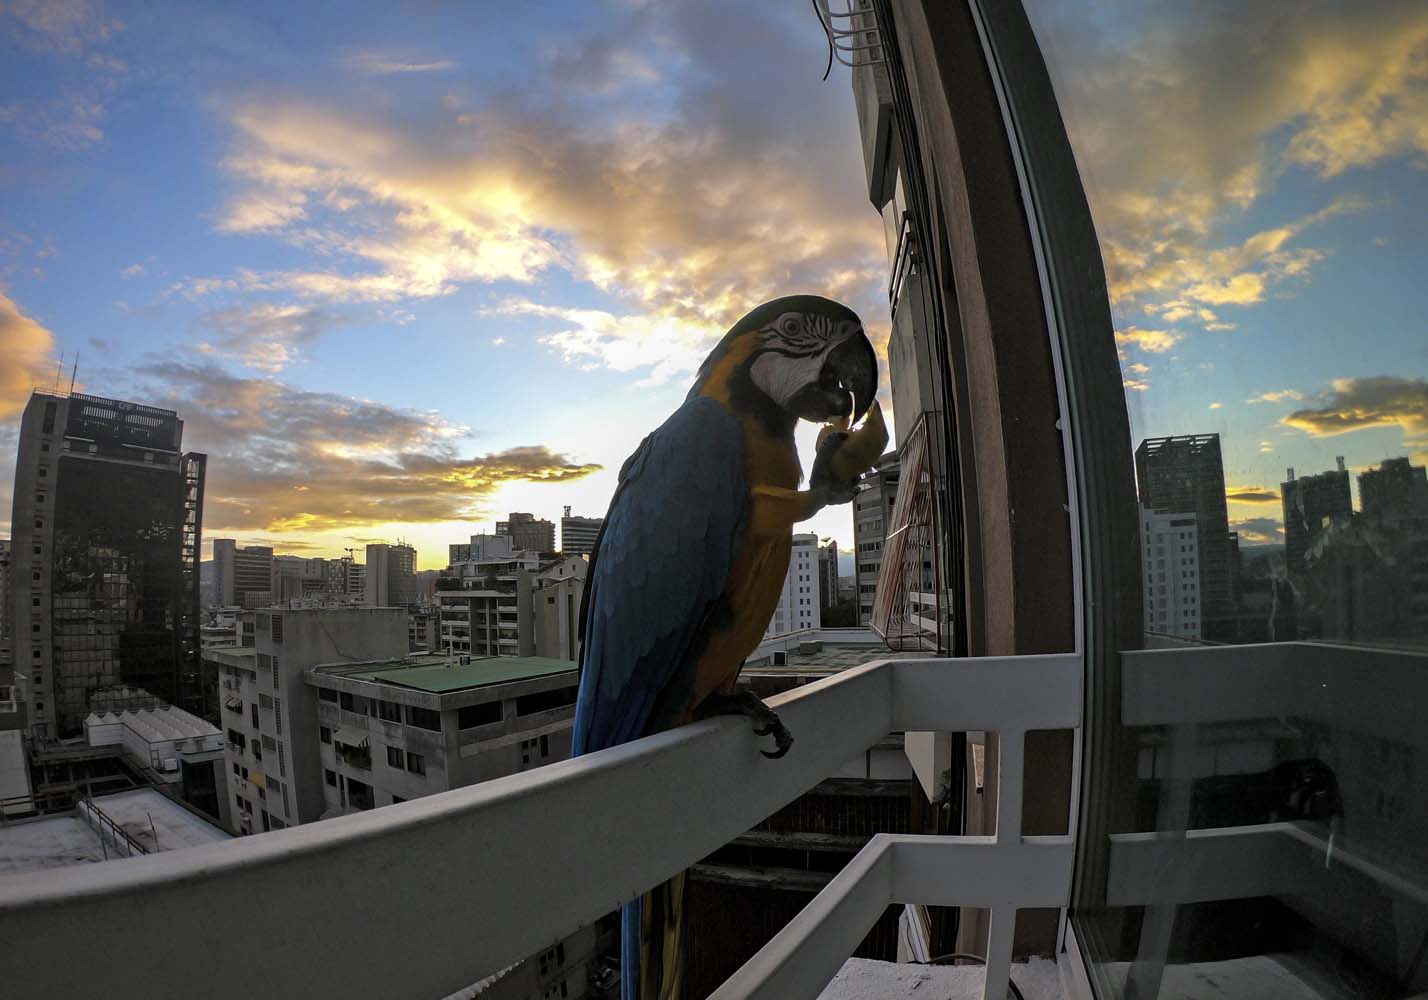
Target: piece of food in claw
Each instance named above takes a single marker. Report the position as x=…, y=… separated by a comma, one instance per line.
x=859, y=449
x=838, y=425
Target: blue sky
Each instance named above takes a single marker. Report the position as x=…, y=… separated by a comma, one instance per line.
x=403, y=269
x=1259, y=178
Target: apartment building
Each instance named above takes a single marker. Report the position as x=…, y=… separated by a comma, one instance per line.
x=578, y=534
x=872, y=513
x=393, y=731
x=270, y=713
x=527, y=531
x=499, y=600
x=1171, y=561
x=799, y=606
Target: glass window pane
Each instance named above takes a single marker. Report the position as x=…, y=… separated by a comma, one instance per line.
x=1255, y=176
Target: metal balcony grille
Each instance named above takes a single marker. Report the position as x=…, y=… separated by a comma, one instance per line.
x=852, y=32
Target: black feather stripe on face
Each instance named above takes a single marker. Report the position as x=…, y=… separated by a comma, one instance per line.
x=799, y=335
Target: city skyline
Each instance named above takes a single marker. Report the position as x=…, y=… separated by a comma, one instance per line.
x=396, y=293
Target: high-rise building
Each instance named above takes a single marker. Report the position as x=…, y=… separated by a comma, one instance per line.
x=224, y=555
x=799, y=606
x=1395, y=486
x=1311, y=503
x=4, y=596
x=528, y=532
x=578, y=534
x=500, y=600
x=1171, y=564
x=105, y=556
x=1186, y=476
x=872, y=513
x=828, y=574
x=242, y=577
x=12, y=716
x=391, y=575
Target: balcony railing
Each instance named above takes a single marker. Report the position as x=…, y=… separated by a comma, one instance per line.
x=449, y=888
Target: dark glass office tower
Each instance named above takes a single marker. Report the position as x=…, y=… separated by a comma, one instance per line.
x=1186, y=475
x=107, y=518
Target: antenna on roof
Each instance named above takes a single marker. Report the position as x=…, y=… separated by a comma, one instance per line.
x=73, y=372
x=59, y=370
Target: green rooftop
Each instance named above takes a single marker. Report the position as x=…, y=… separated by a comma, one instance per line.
x=438, y=678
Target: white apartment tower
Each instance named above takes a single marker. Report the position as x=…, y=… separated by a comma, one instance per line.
x=798, y=604
x=1172, y=574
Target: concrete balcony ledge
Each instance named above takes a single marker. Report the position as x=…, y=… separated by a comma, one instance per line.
x=423, y=898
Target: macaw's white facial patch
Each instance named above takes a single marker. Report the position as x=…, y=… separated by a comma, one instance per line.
x=794, y=351
x=795, y=347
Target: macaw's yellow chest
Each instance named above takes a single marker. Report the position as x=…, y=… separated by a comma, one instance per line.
x=769, y=460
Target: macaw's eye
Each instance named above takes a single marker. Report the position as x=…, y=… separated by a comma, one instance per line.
x=790, y=325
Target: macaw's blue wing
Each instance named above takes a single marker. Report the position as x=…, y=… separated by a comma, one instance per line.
x=658, y=572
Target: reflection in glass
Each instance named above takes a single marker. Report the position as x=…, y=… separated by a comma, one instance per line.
x=1255, y=173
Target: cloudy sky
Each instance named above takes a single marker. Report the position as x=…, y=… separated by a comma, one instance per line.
x=405, y=268
x=1259, y=177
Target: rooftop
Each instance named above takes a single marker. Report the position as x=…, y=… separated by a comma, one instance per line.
x=435, y=675
x=154, y=820
x=830, y=658
x=152, y=724
x=822, y=651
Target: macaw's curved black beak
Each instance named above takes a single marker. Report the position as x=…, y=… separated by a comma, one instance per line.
x=854, y=364
x=846, y=383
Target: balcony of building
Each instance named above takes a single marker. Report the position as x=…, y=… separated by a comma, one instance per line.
x=457, y=886
x=516, y=874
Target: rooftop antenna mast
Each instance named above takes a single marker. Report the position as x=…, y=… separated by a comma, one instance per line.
x=73, y=372
x=59, y=370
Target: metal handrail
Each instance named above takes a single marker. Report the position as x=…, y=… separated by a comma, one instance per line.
x=530, y=858
x=87, y=807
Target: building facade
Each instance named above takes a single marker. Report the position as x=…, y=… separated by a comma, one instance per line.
x=578, y=534
x=498, y=600
x=1397, y=485
x=390, y=575
x=1171, y=559
x=799, y=606
x=270, y=713
x=528, y=532
x=1311, y=503
x=872, y=513
x=393, y=731
x=103, y=520
x=828, y=574
x=1186, y=475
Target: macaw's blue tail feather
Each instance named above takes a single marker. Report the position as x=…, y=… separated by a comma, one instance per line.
x=630, y=921
x=652, y=944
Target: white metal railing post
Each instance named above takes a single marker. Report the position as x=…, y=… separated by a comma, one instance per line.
x=1011, y=767
x=1002, y=873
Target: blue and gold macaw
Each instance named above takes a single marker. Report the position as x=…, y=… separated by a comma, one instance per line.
x=689, y=564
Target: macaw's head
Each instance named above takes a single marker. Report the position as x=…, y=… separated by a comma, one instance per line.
x=798, y=357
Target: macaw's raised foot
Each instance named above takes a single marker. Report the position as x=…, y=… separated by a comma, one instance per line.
x=766, y=721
